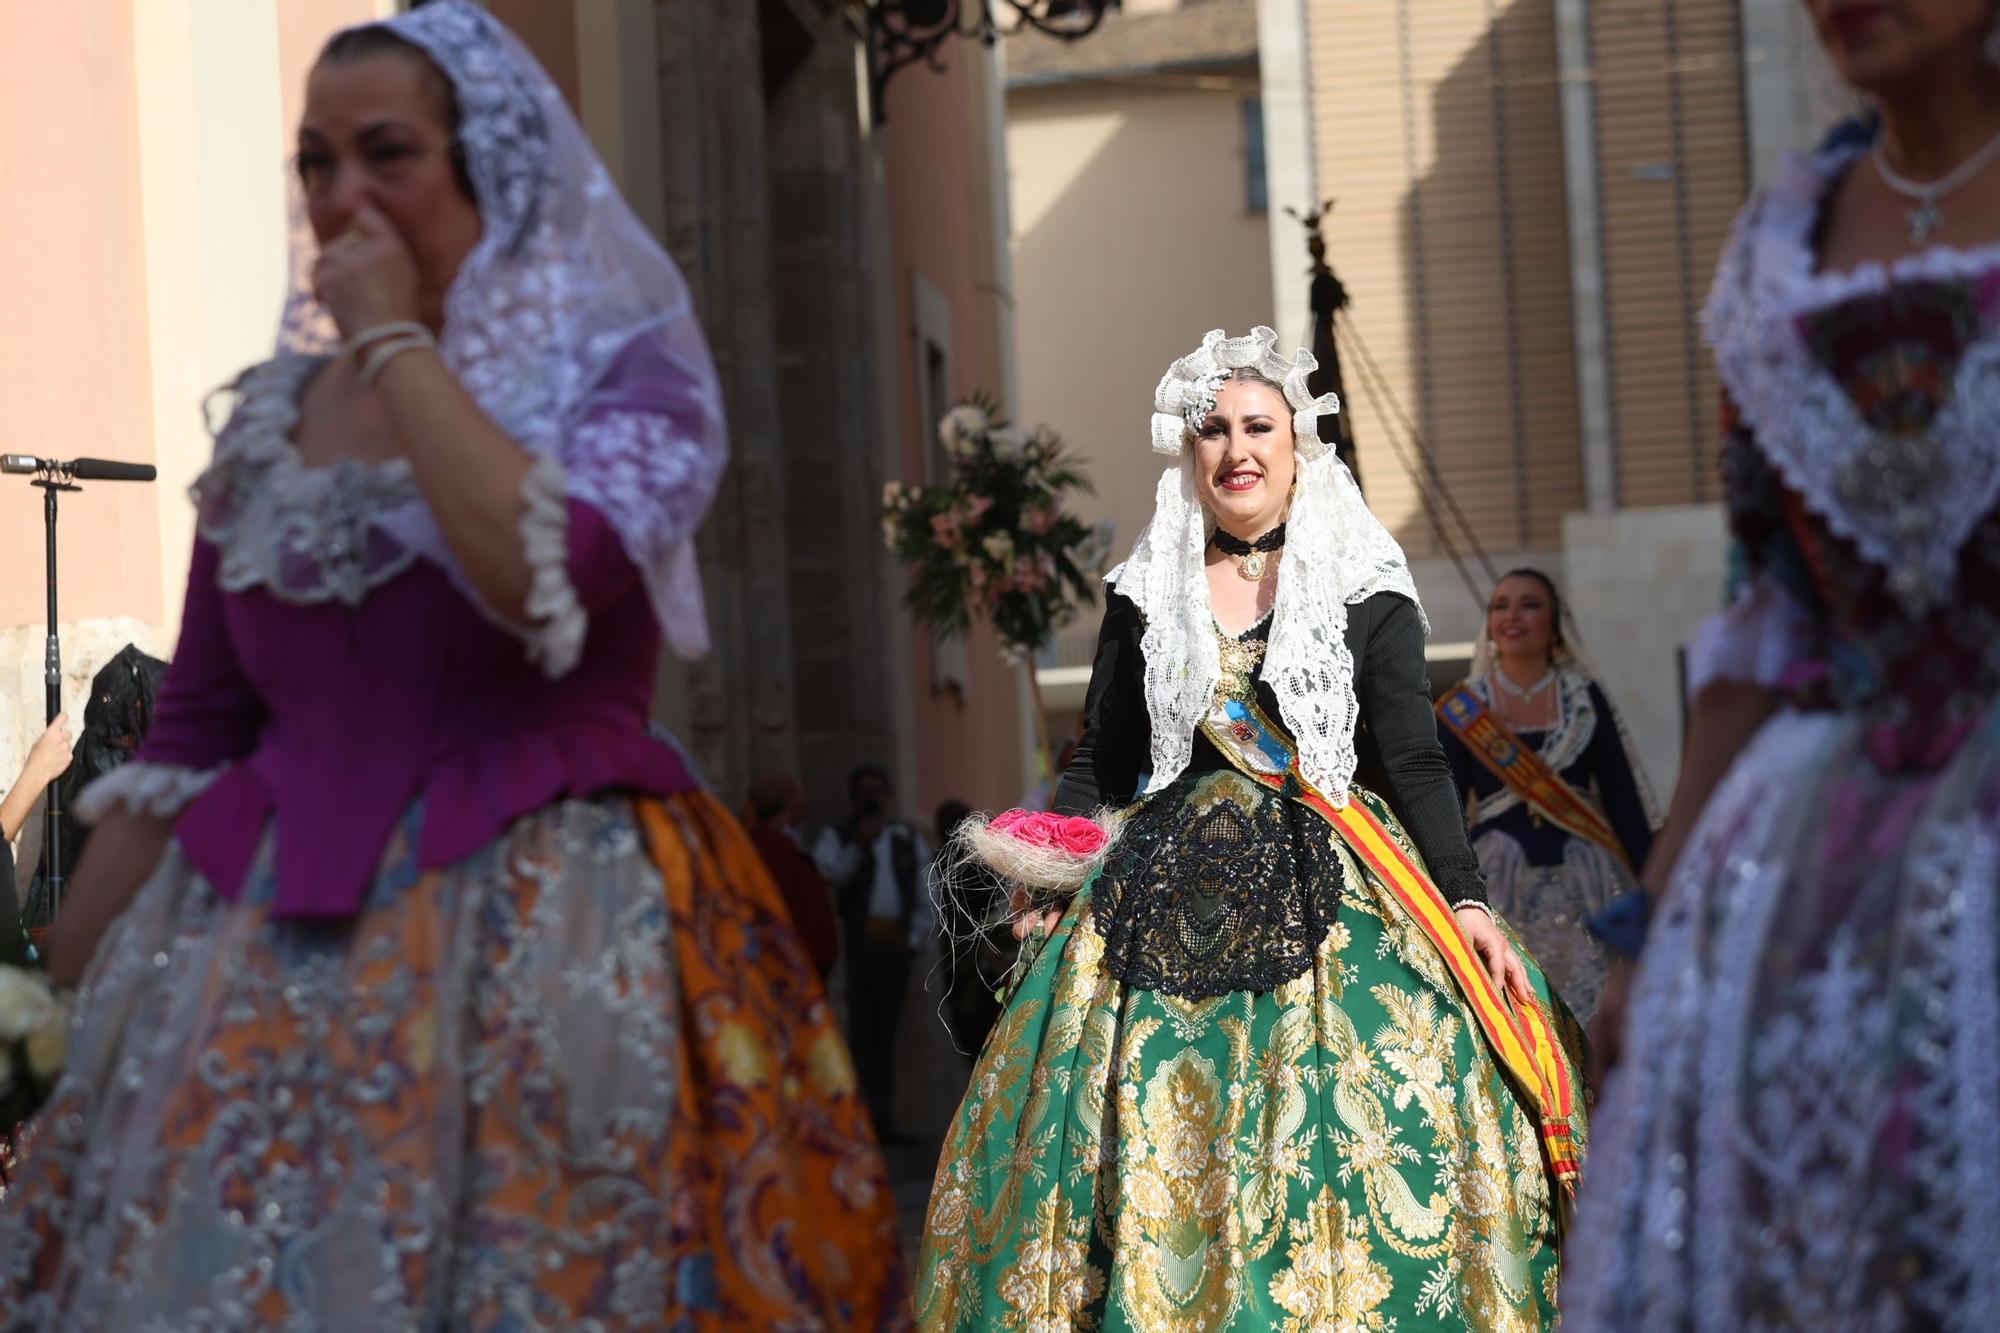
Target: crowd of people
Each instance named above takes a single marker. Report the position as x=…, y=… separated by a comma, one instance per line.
x=489, y=1015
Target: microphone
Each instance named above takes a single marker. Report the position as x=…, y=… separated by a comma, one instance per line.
x=79, y=469
x=105, y=469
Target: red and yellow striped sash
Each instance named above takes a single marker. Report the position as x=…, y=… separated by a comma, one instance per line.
x=1524, y=771
x=1521, y=1035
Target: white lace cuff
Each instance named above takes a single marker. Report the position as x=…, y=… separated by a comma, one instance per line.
x=161, y=790
x=556, y=619
x=1762, y=633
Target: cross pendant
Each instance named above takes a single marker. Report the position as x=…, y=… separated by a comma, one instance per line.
x=1924, y=219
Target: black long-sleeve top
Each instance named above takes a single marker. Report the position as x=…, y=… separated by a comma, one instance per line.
x=1602, y=769
x=1396, y=742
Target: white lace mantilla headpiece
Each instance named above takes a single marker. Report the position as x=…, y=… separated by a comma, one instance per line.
x=1187, y=391
x=563, y=283
x=1336, y=553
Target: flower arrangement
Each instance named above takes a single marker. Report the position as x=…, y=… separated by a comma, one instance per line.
x=996, y=539
x=1048, y=854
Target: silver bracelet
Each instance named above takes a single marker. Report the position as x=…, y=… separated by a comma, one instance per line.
x=378, y=332
x=389, y=351
x=1477, y=905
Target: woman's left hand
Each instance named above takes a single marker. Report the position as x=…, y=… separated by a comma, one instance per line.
x=1503, y=965
x=366, y=276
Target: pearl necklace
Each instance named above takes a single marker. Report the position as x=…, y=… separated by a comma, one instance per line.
x=1525, y=693
x=1927, y=217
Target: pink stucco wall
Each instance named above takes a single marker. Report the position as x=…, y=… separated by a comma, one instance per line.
x=940, y=200
x=74, y=369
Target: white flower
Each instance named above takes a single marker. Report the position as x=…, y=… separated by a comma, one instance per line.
x=1008, y=444
x=26, y=1003
x=892, y=494
x=961, y=425
x=48, y=1044
x=999, y=546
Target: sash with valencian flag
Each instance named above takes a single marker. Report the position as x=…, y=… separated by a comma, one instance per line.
x=1524, y=771
x=1521, y=1036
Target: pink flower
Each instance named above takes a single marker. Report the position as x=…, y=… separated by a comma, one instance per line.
x=944, y=529
x=976, y=508
x=1038, y=519
x=1066, y=833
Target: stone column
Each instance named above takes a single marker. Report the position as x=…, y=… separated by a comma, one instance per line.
x=740, y=710
x=1590, y=330
x=829, y=414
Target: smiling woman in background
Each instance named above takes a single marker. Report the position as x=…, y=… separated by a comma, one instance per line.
x=1561, y=817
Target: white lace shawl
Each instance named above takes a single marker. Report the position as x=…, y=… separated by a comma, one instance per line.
x=1565, y=741
x=1907, y=502
x=1336, y=553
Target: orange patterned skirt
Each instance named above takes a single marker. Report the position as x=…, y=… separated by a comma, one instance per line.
x=585, y=1079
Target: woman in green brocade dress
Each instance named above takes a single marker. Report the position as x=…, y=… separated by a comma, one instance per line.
x=1240, y=1086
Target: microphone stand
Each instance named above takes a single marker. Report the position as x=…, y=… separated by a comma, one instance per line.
x=53, y=476
x=52, y=874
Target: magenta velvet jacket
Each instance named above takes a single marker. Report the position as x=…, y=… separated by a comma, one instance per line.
x=329, y=675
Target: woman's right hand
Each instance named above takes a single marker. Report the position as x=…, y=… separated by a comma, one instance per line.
x=49, y=756
x=1026, y=918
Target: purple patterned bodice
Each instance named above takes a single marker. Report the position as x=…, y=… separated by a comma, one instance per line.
x=1922, y=668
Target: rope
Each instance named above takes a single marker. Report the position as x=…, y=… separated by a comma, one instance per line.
x=1427, y=479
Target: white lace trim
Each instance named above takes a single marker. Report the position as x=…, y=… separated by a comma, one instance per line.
x=160, y=790
x=1563, y=743
x=556, y=619
x=1762, y=633
x=1336, y=553
x=1908, y=503
x=306, y=535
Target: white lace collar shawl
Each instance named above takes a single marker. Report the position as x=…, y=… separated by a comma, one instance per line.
x=316, y=534
x=306, y=534
x=1563, y=742
x=1336, y=553
x=1908, y=503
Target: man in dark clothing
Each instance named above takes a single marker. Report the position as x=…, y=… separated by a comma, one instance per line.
x=880, y=869
x=777, y=815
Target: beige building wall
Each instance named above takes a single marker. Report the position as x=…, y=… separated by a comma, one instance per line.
x=1131, y=239
x=1640, y=582
x=1436, y=128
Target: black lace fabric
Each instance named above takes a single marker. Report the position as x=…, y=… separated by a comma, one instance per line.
x=1217, y=884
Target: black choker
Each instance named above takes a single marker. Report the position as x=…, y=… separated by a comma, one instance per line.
x=1251, y=564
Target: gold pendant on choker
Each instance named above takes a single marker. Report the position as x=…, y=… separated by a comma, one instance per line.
x=1251, y=566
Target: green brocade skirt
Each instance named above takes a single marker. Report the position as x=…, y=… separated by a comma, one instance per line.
x=1342, y=1153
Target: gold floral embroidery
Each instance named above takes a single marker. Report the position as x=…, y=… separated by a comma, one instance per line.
x=1333, y=1281
x=1051, y=1287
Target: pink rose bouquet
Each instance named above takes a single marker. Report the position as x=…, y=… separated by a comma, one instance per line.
x=1055, y=854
